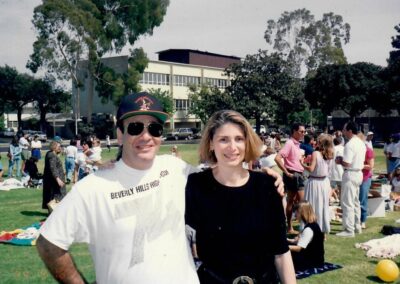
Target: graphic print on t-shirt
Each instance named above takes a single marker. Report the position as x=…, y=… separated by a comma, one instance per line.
x=155, y=214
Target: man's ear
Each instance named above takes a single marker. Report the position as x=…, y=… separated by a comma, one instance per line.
x=119, y=136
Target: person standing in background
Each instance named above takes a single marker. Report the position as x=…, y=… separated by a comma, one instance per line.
x=36, y=146
x=71, y=153
x=14, y=156
x=368, y=140
x=336, y=173
x=25, y=151
x=108, y=143
x=367, y=170
x=288, y=160
x=353, y=163
x=53, y=176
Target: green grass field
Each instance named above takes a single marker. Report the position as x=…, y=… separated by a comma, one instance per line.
x=22, y=207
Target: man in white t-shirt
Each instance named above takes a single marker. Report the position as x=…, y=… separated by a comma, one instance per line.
x=132, y=215
x=353, y=163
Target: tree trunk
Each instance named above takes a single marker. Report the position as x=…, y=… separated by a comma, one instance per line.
x=19, y=117
x=90, y=97
x=42, y=121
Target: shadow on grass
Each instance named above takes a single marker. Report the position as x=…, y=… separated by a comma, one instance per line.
x=34, y=213
x=375, y=279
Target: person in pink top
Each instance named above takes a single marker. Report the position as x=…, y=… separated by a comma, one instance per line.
x=366, y=182
x=288, y=160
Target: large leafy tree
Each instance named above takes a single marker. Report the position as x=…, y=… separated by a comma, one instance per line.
x=205, y=100
x=112, y=85
x=70, y=31
x=165, y=98
x=16, y=90
x=306, y=42
x=262, y=86
x=351, y=87
x=392, y=72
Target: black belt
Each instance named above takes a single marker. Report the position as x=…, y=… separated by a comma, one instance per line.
x=317, y=177
x=351, y=170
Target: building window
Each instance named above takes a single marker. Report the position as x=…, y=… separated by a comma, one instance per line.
x=181, y=104
x=181, y=80
x=154, y=78
x=219, y=83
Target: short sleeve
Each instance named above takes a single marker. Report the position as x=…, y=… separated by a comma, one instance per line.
x=190, y=204
x=305, y=237
x=65, y=224
x=284, y=152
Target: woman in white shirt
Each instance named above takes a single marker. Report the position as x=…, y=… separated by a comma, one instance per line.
x=36, y=146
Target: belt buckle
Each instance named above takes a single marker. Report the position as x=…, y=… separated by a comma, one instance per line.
x=243, y=280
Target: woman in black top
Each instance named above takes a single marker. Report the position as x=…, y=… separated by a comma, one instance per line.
x=308, y=248
x=237, y=214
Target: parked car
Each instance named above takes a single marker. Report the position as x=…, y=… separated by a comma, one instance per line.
x=41, y=136
x=180, y=133
x=8, y=132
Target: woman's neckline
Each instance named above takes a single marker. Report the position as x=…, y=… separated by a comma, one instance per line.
x=231, y=179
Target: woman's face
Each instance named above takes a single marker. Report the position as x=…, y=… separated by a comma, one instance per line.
x=229, y=145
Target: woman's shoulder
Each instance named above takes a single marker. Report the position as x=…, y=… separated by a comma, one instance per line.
x=202, y=175
x=261, y=177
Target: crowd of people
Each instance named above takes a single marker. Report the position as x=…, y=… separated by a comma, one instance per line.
x=152, y=218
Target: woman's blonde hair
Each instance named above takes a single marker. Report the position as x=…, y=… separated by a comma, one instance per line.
x=306, y=212
x=325, y=146
x=220, y=118
x=53, y=145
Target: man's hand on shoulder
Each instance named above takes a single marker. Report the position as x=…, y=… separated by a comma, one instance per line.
x=278, y=180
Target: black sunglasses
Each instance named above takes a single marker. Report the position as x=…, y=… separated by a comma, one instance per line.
x=135, y=128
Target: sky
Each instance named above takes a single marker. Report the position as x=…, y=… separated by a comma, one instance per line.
x=230, y=27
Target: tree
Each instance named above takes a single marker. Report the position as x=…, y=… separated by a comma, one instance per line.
x=262, y=85
x=72, y=31
x=16, y=90
x=111, y=85
x=49, y=100
x=165, y=98
x=350, y=88
x=308, y=43
x=392, y=73
x=205, y=100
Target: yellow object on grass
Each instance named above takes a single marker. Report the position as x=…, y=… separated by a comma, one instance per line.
x=387, y=270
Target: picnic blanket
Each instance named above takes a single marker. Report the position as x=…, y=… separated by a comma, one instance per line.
x=11, y=183
x=387, y=247
x=25, y=236
x=317, y=270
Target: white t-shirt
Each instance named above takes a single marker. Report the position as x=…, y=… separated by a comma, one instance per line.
x=36, y=144
x=23, y=143
x=337, y=170
x=305, y=237
x=396, y=150
x=132, y=220
x=268, y=161
x=354, y=153
x=71, y=151
x=96, y=154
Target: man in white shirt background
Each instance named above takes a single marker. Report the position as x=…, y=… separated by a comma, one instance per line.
x=353, y=163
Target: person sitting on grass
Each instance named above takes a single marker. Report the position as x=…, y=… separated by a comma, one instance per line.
x=308, y=248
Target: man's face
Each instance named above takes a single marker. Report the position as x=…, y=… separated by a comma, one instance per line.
x=299, y=134
x=369, y=137
x=139, y=150
x=347, y=133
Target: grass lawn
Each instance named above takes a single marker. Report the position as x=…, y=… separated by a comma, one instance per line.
x=23, y=207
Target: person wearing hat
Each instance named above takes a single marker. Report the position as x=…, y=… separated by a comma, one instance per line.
x=131, y=215
x=368, y=140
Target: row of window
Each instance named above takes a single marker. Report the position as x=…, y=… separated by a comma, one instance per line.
x=182, y=104
x=180, y=80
